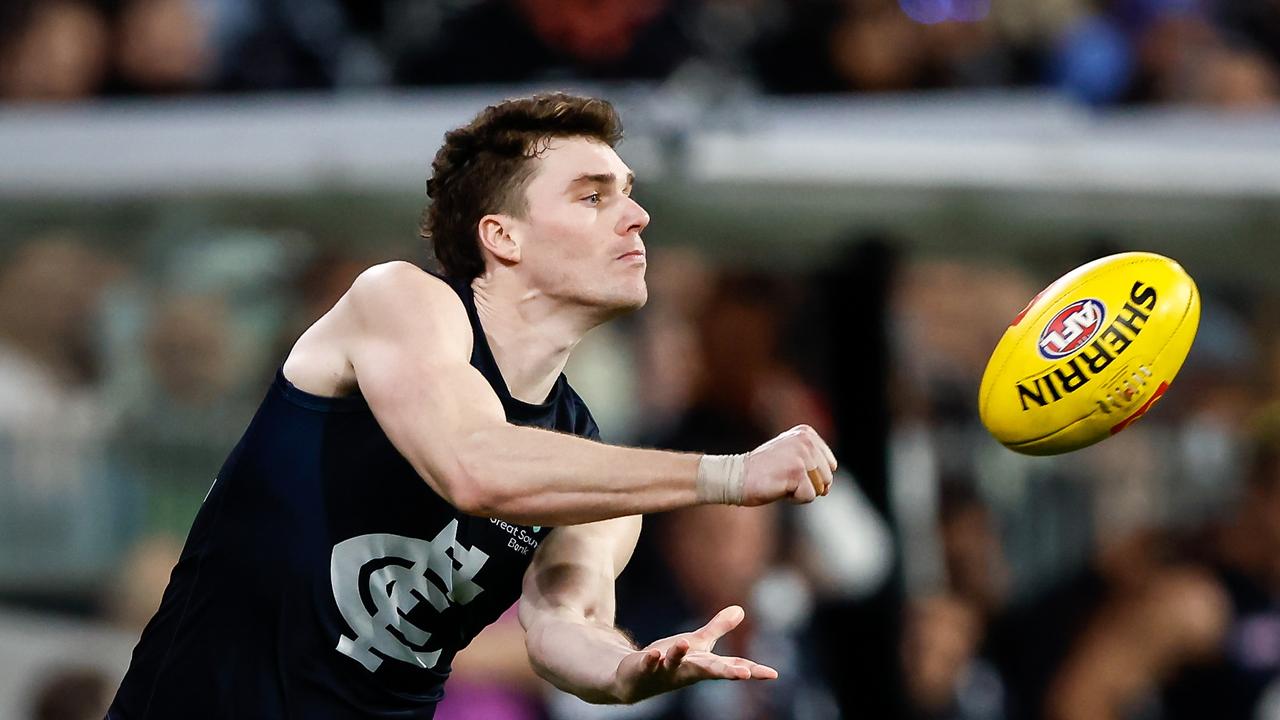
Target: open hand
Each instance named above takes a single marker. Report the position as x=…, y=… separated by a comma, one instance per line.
x=684, y=659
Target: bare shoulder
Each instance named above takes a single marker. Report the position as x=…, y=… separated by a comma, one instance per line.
x=398, y=275
x=394, y=302
x=401, y=288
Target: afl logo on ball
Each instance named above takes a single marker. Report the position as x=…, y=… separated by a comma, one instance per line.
x=1071, y=328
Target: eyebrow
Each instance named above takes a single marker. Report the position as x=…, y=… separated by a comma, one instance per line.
x=605, y=179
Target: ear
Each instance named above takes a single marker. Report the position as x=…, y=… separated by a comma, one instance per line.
x=496, y=236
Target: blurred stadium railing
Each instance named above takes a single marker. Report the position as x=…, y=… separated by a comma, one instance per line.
x=751, y=170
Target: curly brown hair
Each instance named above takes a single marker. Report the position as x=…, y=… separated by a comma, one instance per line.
x=484, y=166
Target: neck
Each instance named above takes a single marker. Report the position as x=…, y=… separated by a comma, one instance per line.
x=530, y=334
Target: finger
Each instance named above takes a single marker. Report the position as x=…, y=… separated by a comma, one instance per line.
x=675, y=655
x=805, y=492
x=828, y=477
x=826, y=453
x=714, y=666
x=816, y=480
x=651, y=660
x=724, y=621
x=758, y=671
x=819, y=471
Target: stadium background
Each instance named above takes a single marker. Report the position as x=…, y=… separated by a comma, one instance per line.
x=851, y=198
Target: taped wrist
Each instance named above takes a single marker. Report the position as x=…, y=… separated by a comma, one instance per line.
x=721, y=479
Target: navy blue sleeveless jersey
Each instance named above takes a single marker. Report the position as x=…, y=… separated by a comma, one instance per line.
x=323, y=578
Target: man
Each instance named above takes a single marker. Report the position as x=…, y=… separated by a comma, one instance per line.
x=1199, y=637
x=420, y=442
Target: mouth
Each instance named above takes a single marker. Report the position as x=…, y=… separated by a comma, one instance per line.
x=632, y=254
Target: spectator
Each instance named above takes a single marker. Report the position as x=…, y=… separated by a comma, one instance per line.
x=163, y=46
x=134, y=591
x=668, y=362
x=1235, y=79
x=58, y=505
x=316, y=286
x=56, y=50
x=944, y=655
x=182, y=426
x=878, y=48
x=71, y=693
x=1197, y=638
x=278, y=44
x=51, y=416
x=976, y=569
x=945, y=678
x=526, y=40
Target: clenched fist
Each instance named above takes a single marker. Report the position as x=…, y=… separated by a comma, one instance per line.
x=797, y=466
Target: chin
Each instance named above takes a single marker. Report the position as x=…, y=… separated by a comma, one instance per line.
x=626, y=300
x=629, y=304
x=638, y=296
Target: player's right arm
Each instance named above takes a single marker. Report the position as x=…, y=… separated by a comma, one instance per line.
x=407, y=338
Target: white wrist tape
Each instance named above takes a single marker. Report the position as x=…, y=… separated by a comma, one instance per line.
x=721, y=479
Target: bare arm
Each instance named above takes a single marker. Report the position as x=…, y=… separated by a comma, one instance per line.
x=1137, y=642
x=567, y=609
x=407, y=337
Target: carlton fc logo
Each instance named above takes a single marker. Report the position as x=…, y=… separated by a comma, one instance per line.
x=379, y=579
x=1073, y=327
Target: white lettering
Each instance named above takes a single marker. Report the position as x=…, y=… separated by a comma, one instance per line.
x=1074, y=326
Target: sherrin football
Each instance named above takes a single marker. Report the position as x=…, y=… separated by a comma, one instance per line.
x=1090, y=354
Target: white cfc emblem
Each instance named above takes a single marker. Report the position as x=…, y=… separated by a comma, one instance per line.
x=379, y=579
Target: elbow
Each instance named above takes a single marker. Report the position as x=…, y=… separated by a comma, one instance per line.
x=470, y=501
x=477, y=479
x=470, y=487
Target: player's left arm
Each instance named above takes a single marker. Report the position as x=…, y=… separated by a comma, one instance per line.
x=567, y=610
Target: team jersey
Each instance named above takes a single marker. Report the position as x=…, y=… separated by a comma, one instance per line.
x=323, y=578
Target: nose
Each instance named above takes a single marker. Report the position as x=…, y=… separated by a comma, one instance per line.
x=634, y=218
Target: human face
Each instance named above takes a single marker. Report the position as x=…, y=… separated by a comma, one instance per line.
x=580, y=235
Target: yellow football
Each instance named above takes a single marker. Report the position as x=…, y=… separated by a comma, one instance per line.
x=1090, y=354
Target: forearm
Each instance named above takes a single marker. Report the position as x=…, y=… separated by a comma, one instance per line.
x=537, y=477
x=578, y=656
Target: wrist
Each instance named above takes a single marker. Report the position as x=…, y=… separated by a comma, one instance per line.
x=618, y=692
x=721, y=479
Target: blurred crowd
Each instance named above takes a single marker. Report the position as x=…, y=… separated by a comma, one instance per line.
x=1223, y=53
x=1136, y=580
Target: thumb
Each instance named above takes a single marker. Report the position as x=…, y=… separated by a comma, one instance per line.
x=724, y=621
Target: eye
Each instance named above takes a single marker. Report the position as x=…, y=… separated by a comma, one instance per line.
x=593, y=198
